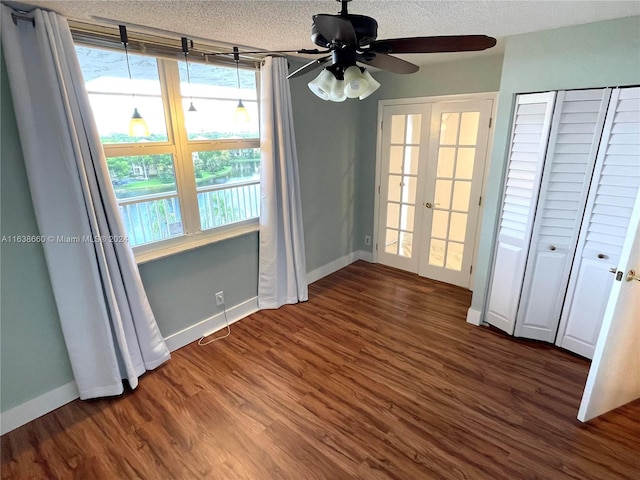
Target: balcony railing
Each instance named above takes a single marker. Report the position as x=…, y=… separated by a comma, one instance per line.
x=152, y=220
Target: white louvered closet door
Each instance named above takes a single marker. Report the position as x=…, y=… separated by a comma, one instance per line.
x=576, y=129
x=615, y=186
x=530, y=133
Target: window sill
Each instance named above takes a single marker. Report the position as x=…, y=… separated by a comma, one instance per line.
x=149, y=253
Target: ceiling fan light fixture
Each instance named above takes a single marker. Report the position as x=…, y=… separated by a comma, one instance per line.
x=373, y=85
x=322, y=85
x=337, y=93
x=356, y=84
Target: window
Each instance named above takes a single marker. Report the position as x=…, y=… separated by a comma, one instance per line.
x=196, y=176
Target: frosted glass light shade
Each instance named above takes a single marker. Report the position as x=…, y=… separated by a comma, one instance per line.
x=337, y=93
x=355, y=83
x=373, y=85
x=137, y=125
x=323, y=84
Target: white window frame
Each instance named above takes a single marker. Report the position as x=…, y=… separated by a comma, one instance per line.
x=181, y=148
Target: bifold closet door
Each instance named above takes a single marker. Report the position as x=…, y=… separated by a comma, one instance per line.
x=576, y=130
x=614, y=188
x=529, y=136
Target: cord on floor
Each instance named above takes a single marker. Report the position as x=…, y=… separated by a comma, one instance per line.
x=217, y=338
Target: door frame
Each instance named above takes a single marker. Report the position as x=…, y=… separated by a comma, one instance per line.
x=483, y=181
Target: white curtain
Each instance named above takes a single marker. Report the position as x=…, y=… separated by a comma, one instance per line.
x=109, y=328
x=282, y=266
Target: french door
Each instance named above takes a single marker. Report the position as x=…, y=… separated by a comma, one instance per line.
x=431, y=165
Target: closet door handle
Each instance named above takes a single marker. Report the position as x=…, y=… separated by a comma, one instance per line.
x=602, y=255
x=552, y=247
x=632, y=276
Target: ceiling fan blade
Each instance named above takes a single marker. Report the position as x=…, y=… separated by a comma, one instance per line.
x=452, y=43
x=335, y=28
x=309, y=67
x=387, y=62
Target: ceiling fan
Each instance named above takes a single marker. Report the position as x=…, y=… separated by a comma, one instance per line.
x=349, y=39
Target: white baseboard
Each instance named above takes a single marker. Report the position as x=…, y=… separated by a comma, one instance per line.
x=19, y=415
x=474, y=317
x=36, y=407
x=331, y=267
x=211, y=324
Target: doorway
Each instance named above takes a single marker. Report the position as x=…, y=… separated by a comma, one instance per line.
x=431, y=160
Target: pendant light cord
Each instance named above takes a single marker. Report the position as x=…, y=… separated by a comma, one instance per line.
x=124, y=38
x=236, y=58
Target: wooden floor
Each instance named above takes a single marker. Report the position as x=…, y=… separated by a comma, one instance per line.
x=377, y=376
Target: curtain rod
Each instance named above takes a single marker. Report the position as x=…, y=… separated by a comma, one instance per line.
x=22, y=15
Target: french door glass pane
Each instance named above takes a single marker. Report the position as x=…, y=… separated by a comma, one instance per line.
x=449, y=128
x=454, y=172
x=469, y=128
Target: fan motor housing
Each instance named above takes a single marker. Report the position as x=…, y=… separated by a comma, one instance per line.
x=366, y=29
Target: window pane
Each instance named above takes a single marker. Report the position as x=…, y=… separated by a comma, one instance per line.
x=440, y=223
x=409, y=190
x=227, y=205
x=216, y=167
x=114, y=96
x=449, y=128
x=454, y=256
x=406, y=244
x=391, y=242
x=445, y=161
x=469, y=128
x=461, y=194
x=464, y=165
x=397, y=128
x=393, y=215
x=152, y=221
x=395, y=159
x=410, y=159
x=408, y=213
x=214, y=93
x=414, y=122
x=142, y=175
x=436, y=252
x=394, y=188
x=442, y=196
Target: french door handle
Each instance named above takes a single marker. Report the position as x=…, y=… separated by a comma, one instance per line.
x=430, y=205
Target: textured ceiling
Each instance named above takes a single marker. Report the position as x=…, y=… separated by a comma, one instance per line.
x=284, y=24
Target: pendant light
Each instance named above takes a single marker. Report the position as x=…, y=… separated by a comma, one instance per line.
x=241, y=114
x=185, y=50
x=137, y=126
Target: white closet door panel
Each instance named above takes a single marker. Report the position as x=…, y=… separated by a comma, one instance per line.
x=530, y=132
x=568, y=168
x=615, y=185
x=589, y=302
x=544, y=286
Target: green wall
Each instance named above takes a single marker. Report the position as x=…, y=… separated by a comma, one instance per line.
x=452, y=78
x=587, y=56
x=33, y=358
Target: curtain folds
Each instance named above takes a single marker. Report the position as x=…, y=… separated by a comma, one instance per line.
x=109, y=328
x=282, y=267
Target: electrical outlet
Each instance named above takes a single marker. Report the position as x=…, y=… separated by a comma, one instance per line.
x=220, y=298
x=367, y=239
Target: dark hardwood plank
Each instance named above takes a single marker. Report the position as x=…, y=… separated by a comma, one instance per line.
x=377, y=376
